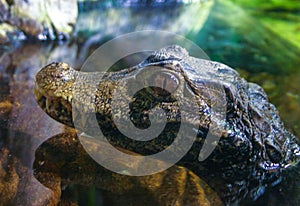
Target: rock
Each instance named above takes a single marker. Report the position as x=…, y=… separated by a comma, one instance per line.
x=43, y=20
x=9, y=32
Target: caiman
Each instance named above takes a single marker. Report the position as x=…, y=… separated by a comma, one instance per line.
x=253, y=146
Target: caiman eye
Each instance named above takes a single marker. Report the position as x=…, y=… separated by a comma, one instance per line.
x=166, y=81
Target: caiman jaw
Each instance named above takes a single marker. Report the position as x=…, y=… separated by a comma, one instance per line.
x=57, y=108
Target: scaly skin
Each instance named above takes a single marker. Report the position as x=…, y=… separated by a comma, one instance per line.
x=253, y=138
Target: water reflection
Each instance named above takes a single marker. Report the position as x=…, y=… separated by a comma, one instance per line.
x=177, y=185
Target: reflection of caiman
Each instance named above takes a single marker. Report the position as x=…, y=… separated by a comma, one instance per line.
x=253, y=144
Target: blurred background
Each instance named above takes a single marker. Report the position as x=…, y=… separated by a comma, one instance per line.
x=260, y=39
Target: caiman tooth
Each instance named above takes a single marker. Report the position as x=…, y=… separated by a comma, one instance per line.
x=69, y=98
x=48, y=102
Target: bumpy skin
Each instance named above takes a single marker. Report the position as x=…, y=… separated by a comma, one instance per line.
x=253, y=139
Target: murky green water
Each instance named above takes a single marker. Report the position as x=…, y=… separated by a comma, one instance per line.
x=226, y=33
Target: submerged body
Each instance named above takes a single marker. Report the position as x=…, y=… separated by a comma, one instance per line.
x=253, y=140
